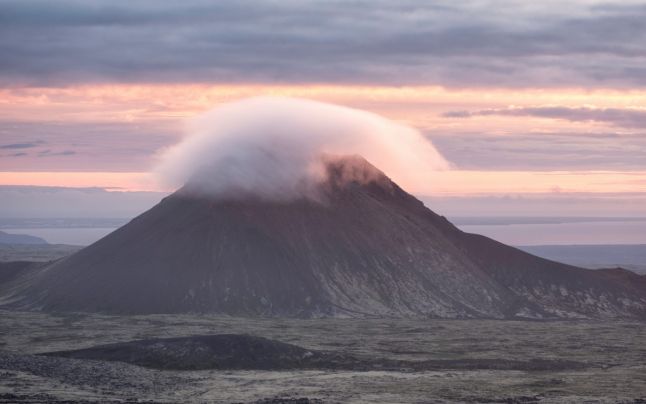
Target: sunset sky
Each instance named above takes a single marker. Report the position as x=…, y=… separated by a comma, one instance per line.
x=536, y=105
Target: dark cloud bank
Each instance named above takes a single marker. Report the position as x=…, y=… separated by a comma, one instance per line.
x=406, y=42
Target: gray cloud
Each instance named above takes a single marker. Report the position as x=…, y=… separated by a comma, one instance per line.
x=98, y=146
x=543, y=151
x=628, y=118
x=50, y=153
x=470, y=43
x=26, y=145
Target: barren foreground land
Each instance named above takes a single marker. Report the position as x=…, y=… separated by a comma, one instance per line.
x=470, y=361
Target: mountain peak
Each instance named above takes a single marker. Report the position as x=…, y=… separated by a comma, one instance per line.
x=368, y=249
x=341, y=171
x=328, y=176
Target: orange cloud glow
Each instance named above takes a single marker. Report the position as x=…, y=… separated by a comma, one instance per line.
x=122, y=181
x=415, y=105
x=421, y=107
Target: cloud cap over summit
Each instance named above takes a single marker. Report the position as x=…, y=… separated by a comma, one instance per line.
x=275, y=147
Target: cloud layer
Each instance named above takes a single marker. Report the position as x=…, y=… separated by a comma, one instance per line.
x=85, y=146
x=623, y=117
x=532, y=151
x=273, y=147
x=471, y=43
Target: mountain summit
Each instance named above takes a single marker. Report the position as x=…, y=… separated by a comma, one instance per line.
x=362, y=247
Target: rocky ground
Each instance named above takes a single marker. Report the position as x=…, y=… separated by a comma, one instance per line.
x=463, y=361
x=247, y=352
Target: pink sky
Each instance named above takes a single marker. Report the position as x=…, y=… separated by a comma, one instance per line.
x=148, y=112
x=537, y=100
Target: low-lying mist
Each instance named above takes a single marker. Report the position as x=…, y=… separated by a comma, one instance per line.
x=273, y=147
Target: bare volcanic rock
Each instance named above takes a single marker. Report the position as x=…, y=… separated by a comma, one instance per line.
x=364, y=247
x=247, y=352
x=224, y=351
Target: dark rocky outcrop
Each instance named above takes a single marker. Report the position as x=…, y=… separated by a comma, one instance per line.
x=246, y=352
x=225, y=351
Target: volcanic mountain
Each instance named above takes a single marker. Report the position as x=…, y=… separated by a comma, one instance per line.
x=363, y=248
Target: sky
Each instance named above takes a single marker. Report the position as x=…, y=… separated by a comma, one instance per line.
x=539, y=107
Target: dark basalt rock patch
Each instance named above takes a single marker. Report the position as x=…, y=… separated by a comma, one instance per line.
x=246, y=352
x=225, y=351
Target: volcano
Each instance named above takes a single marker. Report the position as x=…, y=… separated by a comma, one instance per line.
x=363, y=247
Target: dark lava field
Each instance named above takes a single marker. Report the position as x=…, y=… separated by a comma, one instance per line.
x=152, y=359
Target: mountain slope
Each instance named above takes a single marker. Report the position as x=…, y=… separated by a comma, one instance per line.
x=365, y=248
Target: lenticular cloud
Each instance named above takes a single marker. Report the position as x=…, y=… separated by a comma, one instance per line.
x=271, y=146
